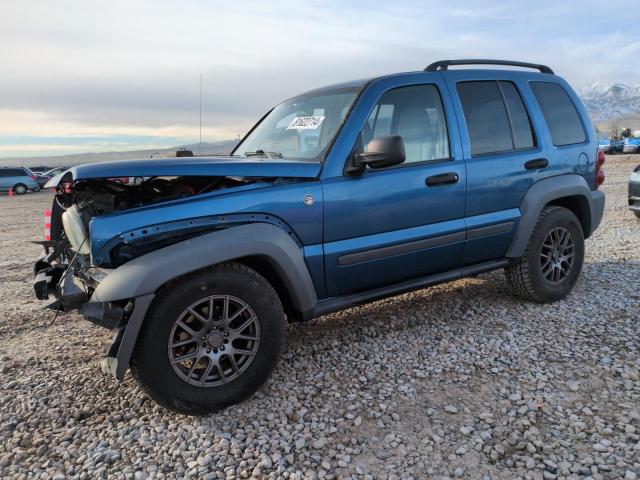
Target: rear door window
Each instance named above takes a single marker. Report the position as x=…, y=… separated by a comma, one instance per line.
x=496, y=118
x=520, y=124
x=560, y=113
x=486, y=117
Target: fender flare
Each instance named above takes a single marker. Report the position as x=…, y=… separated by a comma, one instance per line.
x=146, y=274
x=545, y=191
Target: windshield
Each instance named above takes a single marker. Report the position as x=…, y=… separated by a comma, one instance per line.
x=302, y=127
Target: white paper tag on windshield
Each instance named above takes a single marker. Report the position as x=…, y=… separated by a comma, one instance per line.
x=306, y=123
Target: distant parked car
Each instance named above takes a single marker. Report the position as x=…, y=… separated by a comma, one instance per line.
x=631, y=145
x=606, y=145
x=42, y=179
x=616, y=145
x=20, y=180
x=54, y=171
x=634, y=192
x=39, y=169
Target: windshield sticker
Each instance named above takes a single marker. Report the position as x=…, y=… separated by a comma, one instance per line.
x=306, y=123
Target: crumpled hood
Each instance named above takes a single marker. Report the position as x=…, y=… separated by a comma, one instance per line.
x=194, y=166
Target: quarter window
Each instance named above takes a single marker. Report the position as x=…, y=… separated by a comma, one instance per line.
x=496, y=118
x=560, y=113
x=416, y=114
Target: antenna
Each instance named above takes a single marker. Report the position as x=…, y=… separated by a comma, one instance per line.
x=200, y=143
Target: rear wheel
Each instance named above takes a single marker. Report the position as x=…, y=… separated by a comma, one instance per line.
x=553, y=260
x=210, y=340
x=37, y=188
x=20, y=189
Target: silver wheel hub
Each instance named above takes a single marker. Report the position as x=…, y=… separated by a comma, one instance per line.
x=214, y=340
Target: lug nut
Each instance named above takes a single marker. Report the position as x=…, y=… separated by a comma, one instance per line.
x=208, y=350
x=221, y=348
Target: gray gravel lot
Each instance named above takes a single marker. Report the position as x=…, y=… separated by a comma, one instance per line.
x=460, y=380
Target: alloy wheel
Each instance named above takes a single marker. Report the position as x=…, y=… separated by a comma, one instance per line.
x=556, y=257
x=214, y=340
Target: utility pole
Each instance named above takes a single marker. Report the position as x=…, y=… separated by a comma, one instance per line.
x=200, y=143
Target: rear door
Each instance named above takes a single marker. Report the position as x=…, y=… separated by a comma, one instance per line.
x=388, y=225
x=503, y=154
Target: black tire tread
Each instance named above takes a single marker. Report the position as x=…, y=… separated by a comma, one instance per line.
x=162, y=292
x=517, y=274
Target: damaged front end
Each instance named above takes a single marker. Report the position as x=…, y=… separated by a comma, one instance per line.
x=81, y=255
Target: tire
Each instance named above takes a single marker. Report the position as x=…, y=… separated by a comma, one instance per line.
x=36, y=189
x=138, y=180
x=19, y=189
x=198, y=389
x=535, y=276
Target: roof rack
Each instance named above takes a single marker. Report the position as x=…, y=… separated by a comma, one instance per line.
x=444, y=64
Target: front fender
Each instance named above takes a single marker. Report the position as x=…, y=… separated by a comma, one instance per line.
x=146, y=274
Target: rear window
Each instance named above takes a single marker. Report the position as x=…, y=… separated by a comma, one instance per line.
x=496, y=118
x=560, y=113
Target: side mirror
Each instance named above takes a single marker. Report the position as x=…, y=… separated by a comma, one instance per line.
x=379, y=153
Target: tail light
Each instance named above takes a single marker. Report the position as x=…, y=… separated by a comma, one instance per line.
x=33, y=177
x=600, y=159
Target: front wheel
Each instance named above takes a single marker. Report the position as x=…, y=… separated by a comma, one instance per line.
x=553, y=259
x=210, y=340
x=20, y=189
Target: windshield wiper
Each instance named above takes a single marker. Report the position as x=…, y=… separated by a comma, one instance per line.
x=262, y=153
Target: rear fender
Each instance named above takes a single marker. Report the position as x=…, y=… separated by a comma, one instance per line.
x=545, y=192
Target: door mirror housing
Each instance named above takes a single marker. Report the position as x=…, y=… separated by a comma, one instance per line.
x=380, y=152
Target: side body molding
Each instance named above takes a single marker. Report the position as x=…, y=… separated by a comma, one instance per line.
x=554, y=188
x=145, y=274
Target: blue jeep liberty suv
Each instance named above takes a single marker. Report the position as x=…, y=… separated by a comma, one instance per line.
x=336, y=197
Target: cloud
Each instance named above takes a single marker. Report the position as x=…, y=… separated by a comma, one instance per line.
x=132, y=68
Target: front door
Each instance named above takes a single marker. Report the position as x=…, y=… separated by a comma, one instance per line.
x=388, y=225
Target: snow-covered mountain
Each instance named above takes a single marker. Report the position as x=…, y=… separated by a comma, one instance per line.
x=605, y=101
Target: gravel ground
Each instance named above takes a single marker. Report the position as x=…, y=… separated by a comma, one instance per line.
x=460, y=380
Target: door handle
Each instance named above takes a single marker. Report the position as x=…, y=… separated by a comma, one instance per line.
x=442, y=179
x=536, y=164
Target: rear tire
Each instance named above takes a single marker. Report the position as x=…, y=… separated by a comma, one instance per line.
x=223, y=361
x=552, y=262
x=19, y=189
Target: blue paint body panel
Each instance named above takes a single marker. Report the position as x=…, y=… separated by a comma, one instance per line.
x=388, y=223
x=193, y=166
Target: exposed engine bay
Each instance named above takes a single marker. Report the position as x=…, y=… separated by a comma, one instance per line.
x=99, y=196
x=66, y=271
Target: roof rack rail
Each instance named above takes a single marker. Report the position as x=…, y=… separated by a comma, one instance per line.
x=444, y=64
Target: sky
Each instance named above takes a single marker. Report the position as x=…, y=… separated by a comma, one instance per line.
x=87, y=76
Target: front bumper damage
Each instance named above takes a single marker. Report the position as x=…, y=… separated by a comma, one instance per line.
x=71, y=293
